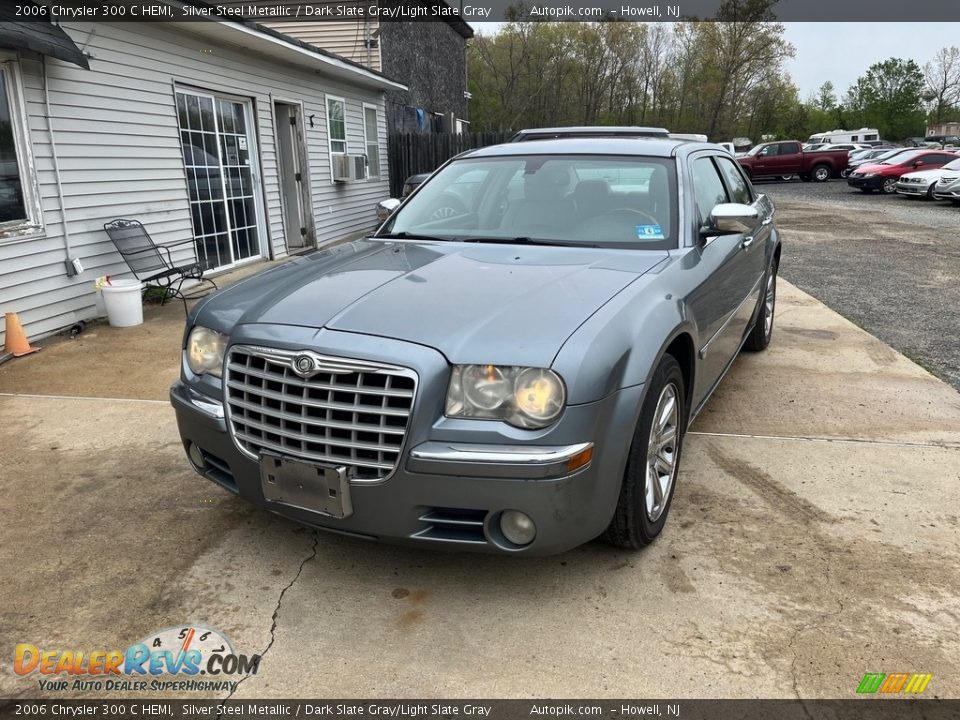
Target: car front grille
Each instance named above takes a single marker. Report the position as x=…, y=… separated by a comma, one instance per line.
x=343, y=412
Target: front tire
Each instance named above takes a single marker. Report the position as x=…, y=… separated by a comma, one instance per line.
x=653, y=462
x=889, y=186
x=759, y=337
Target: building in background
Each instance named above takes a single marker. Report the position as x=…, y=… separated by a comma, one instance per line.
x=254, y=144
x=429, y=58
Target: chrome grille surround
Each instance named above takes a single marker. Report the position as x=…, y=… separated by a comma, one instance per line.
x=332, y=410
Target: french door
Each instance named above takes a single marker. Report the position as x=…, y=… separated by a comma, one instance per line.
x=218, y=153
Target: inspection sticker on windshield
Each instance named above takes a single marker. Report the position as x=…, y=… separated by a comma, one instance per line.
x=650, y=232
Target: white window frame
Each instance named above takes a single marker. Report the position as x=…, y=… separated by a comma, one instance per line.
x=14, y=230
x=367, y=142
x=330, y=138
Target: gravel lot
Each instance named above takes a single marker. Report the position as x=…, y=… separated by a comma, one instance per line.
x=888, y=263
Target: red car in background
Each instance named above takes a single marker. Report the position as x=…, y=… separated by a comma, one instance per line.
x=884, y=175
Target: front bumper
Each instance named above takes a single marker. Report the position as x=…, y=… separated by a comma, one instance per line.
x=953, y=195
x=455, y=478
x=914, y=189
x=865, y=183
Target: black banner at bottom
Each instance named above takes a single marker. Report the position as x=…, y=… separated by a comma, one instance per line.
x=856, y=709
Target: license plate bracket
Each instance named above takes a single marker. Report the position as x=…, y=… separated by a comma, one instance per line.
x=319, y=488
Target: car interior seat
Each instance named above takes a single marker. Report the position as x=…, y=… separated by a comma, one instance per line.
x=546, y=206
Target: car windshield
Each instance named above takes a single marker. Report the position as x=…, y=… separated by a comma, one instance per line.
x=952, y=165
x=585, y=200
x=755, y=150
x=903, y=157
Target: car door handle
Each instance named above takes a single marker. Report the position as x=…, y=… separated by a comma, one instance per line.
x=767, y=221
x=747, y=241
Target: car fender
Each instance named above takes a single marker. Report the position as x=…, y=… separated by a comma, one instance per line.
x=620, y=346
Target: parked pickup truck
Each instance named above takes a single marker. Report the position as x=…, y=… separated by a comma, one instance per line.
x=785, y=158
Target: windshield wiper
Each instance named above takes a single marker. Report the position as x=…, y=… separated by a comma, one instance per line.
x=523, y=240
x=412, y=236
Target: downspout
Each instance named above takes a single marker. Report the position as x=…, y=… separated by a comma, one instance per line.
x=71, y=262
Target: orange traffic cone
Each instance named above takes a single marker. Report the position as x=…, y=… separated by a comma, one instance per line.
x=15, y=341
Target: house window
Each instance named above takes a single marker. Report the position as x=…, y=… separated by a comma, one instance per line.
x=336, y=124
x=371, y=137
x=19, y=208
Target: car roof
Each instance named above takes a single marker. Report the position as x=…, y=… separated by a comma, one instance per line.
x=591, y=131
x=652, y=147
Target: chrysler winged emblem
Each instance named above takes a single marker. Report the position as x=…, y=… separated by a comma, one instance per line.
x=304, y=365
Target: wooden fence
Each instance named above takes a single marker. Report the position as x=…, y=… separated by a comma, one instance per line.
x=412, y=153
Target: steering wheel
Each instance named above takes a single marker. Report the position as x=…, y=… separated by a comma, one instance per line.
x=447, y=206
x=630, y=211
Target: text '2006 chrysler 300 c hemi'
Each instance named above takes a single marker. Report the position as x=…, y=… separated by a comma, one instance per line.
x=508, y=364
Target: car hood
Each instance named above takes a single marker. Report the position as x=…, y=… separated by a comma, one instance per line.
x=474, y=303
x=882, y=169
x=925, y=174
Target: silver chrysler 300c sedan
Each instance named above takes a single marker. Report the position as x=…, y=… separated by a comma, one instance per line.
x=508, y=364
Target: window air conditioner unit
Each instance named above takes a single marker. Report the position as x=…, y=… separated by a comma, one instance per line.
x=349, y=168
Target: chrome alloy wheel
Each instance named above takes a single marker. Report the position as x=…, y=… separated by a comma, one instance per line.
x=662, y=452
x=769, y=300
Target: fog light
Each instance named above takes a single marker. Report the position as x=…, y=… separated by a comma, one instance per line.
x=196, y=457
x=517, y=527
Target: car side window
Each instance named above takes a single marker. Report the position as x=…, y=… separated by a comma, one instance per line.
x=739, y=190
x=708, y=188
x=771, y=151
x=790, y=149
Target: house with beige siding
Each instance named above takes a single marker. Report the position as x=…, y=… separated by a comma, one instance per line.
x=228, y=133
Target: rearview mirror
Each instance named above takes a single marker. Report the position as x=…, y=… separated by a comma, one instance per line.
x=386, y=207
x=730, y=219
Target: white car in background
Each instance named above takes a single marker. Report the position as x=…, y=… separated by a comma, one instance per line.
x=922, y=183
x=948, y=187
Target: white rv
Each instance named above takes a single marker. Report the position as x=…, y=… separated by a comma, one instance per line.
x=863, y=135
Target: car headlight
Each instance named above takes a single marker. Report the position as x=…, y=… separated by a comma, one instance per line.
x=523, y=397
x=205, y=349
x=869, y=175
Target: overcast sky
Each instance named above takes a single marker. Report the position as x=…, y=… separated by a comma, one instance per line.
x=842, y=52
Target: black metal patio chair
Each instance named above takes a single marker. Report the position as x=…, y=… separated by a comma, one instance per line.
x=153, y=264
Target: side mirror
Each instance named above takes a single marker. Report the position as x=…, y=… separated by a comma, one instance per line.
x=917, y=163
x=730, y=219
x=386, y=207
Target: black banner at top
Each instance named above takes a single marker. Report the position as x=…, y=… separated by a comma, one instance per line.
x=474, y=11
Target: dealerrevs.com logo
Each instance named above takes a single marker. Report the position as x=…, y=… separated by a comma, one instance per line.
x=187, y=658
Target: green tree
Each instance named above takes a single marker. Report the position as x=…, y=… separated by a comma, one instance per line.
x=888, y=96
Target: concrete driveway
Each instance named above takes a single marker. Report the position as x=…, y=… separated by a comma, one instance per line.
x=814, y=537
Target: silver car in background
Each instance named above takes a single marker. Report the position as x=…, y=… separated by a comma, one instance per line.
x=923, y=183
x=514, y=377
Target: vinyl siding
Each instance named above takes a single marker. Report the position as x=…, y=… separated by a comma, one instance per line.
x=344, y=38
x=119, y=155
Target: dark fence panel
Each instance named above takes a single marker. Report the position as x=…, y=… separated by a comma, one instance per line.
x=412, y=153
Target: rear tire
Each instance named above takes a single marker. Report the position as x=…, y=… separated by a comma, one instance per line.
x=759, y=337
x=821, y=173
x=648, y=486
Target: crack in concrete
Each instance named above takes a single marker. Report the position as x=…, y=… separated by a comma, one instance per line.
x=276, y=613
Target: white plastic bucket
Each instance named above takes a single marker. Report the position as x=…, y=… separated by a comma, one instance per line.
x=122, y=299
